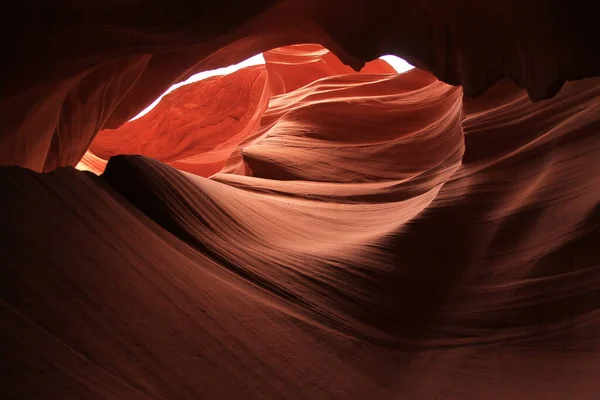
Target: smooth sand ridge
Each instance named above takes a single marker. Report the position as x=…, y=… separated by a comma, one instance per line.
x=374, y=236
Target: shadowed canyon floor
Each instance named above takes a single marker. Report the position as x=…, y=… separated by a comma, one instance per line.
x=300, y=230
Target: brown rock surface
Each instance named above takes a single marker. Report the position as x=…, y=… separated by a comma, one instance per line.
x=299, y=230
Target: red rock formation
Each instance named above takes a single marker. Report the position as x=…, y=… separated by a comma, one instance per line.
x=370, y=235
x=197, y=127
x=292, y=67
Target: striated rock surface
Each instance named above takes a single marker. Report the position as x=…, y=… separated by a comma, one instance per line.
x=197, y=127
x=292, y=67
x=300, y=230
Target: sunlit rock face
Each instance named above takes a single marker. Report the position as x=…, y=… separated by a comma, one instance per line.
x=198, y=126
x=315, y=227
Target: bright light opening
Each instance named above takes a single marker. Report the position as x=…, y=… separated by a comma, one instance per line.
x=397, y=63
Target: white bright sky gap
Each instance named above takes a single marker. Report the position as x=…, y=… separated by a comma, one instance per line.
x=397, y=63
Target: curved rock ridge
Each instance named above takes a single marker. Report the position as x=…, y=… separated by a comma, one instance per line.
x=417, y=130
x=364, y=235
x=337, y=224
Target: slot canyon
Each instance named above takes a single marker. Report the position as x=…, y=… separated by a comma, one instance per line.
x=262, y=200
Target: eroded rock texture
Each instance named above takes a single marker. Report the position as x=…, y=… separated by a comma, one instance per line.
x=197, y=127
x=299, y=229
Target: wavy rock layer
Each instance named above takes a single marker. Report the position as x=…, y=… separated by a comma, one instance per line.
x=292, y=67
x=367, y=235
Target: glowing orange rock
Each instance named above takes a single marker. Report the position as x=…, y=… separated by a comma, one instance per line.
x=196, y=127
x=292, y=67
